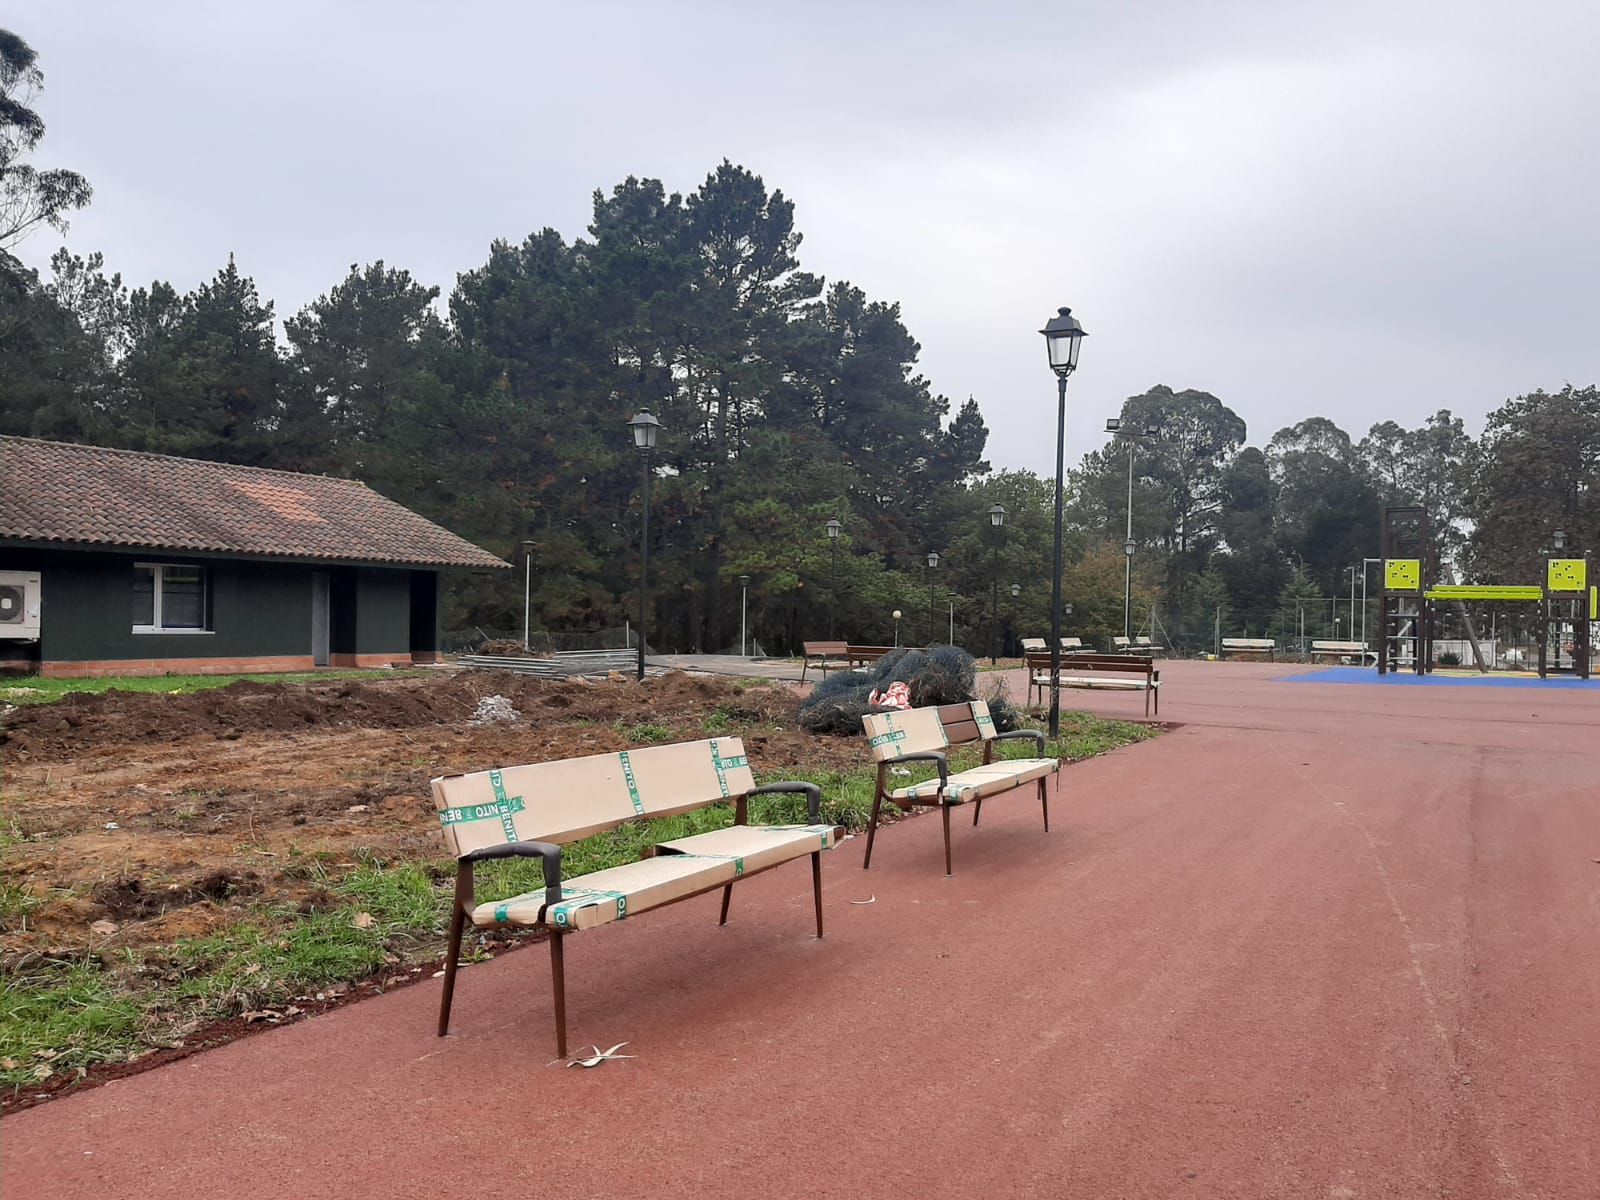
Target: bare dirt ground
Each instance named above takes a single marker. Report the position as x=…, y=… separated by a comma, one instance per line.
x=166, y=814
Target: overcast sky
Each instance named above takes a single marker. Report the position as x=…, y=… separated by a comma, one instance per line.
x=1359, y=210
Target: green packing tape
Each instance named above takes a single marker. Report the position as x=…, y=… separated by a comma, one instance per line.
x=508, y=805
x=633, y=786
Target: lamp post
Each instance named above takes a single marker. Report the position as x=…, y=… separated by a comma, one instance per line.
x=527, y=576
x=1016, y=590
x=1063, y=335
x=1114, y=425
x=645, y=427
x=896, y=615
x=933, y=562
x=744, y=609
x=997, y=521
x=834, y=528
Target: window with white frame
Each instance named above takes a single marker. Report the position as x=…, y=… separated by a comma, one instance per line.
x=169, y=598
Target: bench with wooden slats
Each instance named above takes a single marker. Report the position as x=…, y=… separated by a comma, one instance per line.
x=1071, y=645
x=1113, y=672
x=1250, y=648
x=923, y=735
x=1341, y=650
x=531, y=811
x=860, y=656
x=826, y=655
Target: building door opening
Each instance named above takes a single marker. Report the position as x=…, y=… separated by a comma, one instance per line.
x=319, y=618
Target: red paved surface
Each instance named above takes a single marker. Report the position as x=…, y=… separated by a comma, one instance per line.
x=1324, y=941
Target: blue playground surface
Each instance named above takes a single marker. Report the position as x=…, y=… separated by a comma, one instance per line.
x=1370, y=676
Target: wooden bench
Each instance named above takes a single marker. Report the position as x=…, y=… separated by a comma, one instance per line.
x=1114, y=672
x=923, y=735
x=531, y=811
x=1250, y=648
x=827, y=655
x=1341, y=650
x=860, y=656
x=1069, y=645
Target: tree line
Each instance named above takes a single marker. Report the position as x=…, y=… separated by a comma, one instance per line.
x=785, y=401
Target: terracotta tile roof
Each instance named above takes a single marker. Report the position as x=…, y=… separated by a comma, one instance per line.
x=88, y=495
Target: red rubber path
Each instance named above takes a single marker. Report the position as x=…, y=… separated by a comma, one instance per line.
x=1323, y=941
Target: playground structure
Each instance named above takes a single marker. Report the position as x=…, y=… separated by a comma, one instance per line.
x=1412, y=596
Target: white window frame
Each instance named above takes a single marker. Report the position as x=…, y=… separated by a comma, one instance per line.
x=159, y=569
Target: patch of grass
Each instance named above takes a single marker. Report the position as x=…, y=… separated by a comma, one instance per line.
x=646, y=732
x=60, y=1017
x=17, y=903
x=46, y=691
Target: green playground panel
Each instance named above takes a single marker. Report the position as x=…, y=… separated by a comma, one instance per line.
x=1484, y=591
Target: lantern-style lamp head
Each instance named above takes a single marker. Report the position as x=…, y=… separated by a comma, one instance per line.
x=1066, y=609
x=1561, y=539
x=1127, y=547
x=997, y=515
x=933, y=558
x=1016, y=590
x=1062, y=336
x=644, y=426
x=1152, y=431
x=1113, y=424
x=527, y=545
x=896, y=614
x=744, y=581
x=834, y=528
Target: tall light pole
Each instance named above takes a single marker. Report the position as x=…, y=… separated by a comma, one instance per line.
x=933, y=561
x=527, y=576
x=645, y=427
x=1114, y=425
x=834, y=528
x=744, y=610
x=1351, y=571
x=997, y=520
x=1063, y=335
x=1016, y=590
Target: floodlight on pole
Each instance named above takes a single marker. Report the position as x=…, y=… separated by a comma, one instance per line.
x=644, y=427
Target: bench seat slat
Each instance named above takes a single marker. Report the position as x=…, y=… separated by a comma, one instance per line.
x=978, y=782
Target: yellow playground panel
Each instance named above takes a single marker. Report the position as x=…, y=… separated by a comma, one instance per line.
x=1402, y=574
x=1567, y=575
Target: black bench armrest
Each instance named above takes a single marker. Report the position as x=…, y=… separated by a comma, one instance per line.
x=812, y=792
x=1034, y=734
x=932, y=756
x=551, y=854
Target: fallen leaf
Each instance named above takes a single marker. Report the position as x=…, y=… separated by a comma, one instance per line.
x=43, y=1071
x=103, y=927
x=265, y=1014
x=601, y=1056
x=364, y=920
x=8, y=1064
x=357, y=808
x=46, y=1054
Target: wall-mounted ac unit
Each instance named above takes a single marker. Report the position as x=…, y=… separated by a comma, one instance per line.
x=19, y=606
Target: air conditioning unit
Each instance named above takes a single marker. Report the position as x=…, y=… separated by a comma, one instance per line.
x=19, y=606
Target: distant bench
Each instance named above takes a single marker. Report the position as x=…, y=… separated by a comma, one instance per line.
x=1070, y=645
x=1341, y=650
x=1250, y=648
x=1115, y=672
x=860, y=656
x=1138, y=645
x=529, y=811
x=826, y=655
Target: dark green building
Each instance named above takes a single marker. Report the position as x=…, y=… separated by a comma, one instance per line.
x=114, y=562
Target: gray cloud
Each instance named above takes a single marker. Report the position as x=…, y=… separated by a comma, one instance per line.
x=1363, y=210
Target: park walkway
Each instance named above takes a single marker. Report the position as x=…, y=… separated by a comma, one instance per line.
x=1321, y=941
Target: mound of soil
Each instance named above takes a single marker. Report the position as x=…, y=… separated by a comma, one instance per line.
x=165, y=815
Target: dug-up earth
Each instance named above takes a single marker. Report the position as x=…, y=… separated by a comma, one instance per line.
x=138, y=819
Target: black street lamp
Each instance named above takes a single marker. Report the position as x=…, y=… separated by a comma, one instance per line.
x=834, y=529
x=744, y=610
x=527, y=578
x=1016, y=590
x=1063, y=336
x=645, y=427
x=933, y=561
x=1114, y=425
x=997, y=520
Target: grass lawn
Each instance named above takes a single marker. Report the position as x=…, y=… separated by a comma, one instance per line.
x=62, y=1016
x=34, y=690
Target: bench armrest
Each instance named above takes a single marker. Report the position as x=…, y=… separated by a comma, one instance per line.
x=551, y=854
x=932, y=756
x=1033, y=734
x=811, y=791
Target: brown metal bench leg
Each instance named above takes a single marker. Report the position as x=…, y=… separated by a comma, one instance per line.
x=558, y=983
x=977, y=808
x=944, y=811
x=452, y=956
x=872, y=830
x=1044, y=801
x=727, y=895
x=816, y=885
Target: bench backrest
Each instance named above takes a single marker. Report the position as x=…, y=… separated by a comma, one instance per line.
x=1143, y=641
x=1119, y=640
x=855, y=651
x=825, y=649
x=1083, y=664
x=1069, y=644
x=1249, y=644
x=1036, y=644
x=899, y=732
x=569, y=799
